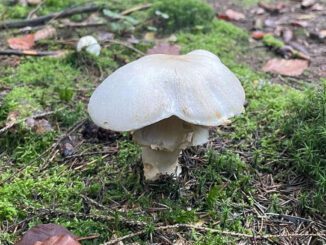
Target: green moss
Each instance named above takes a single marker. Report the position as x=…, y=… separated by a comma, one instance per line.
x=272, y=42
x=22, y=100
x=224, y=39
x=305, y=132
x=36, y=192
x=174, y=15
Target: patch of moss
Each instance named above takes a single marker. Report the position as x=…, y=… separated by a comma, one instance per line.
x=22, y=100
x=272, y=42
x=224, y=39
x=305, y=131
x=175, y=15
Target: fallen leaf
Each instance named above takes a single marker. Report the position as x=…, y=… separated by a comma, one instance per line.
x=43, y=232
x=22, y=43
x=258, y=11
x=273, y=8
x=299, y=23
x=165, y=48
x=307, y=3
x=258, y=35
x=232, y=15
x=12, y=118
x=284, y=67
x=45, y=33
x=59, y=240
x=317, y=7
x=42, y=126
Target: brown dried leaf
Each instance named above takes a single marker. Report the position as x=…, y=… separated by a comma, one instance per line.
x=12, y=118
x=165, y=48
x=317, y=7
x=45, y=33
x=43, y=232
x=231, y=14
x=42, y=126
x=59, y=240
x=299, y=23
x=284, y=67
x=258, y=35
x=273, y=8
x=22, y=43
x=307, y=3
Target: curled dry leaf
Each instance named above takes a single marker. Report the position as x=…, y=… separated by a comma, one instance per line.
x=258, y=35
x=45, y=33
x=22, y=43
x=284, y=67
x=299, y=23
x=43, y=232
x=307, y=3
x=273, y=8
x=26, y=42
x=317, y=7
x=232, y=15
x=59, y=240
x=42, y=126
x=165, y=48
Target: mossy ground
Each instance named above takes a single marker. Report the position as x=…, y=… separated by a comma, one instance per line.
x=100, y=189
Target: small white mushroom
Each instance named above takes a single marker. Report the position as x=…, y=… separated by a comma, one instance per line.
x=168, y=102
x=90, y=44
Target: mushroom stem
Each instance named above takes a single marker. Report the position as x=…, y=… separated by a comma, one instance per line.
x=160, y=162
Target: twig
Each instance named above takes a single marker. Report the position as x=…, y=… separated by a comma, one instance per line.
x=206, y=229
x=4, y=129
x=97, y=217
x=30, y=14
x=127, y=45
x=43, y=19
x=30, y=52
x=87, y=237
x=81, y=25
x=115, y=150
x=136, y=8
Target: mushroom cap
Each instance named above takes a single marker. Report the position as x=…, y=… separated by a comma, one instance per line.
x=197, y=88
x=90, y=44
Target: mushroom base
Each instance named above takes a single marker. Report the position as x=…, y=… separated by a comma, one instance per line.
x=160, y=162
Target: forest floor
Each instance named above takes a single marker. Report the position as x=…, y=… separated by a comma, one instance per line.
x=260, y=179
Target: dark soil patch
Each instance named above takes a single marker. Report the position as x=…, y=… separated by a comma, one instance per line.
x=304, y=24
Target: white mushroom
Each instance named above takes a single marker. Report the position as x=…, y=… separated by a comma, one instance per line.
x=168, y=102
x=90, y=44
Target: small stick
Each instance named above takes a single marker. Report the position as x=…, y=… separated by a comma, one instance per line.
x=44, y=19
x=136, y=8
x=30, y=14
x=206, y=229
x=30, y=52
x=126, y=45
x=2, y=130
x=87, y=237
